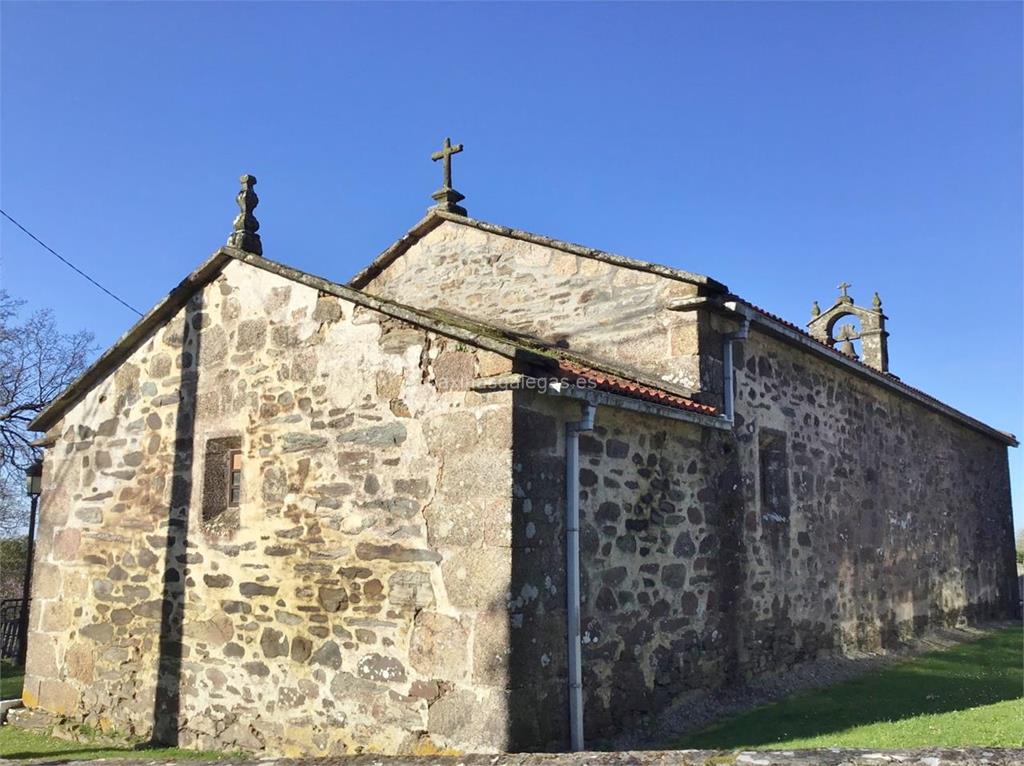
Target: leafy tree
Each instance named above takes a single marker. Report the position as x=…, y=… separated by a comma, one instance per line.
x=1020, y=545
x=37, y=362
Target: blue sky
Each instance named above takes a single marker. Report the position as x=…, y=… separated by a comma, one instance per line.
x=780, y=148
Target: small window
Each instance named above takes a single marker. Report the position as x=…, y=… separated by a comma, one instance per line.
x=235, y=480
x=774, y=465
x=222, y=483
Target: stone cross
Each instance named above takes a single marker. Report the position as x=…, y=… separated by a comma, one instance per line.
x=244, y=236
x=844, y=286
x=446, y=197
x=446, y=154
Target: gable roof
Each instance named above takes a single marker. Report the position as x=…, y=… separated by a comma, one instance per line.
x=435, y=218
x=472, y=332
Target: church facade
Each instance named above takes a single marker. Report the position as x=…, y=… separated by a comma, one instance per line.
x=291, y=515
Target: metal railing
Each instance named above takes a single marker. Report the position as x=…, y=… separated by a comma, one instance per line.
x=13, y=612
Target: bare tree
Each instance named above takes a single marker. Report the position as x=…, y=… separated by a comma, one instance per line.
x=13, y=507
x=37, y=362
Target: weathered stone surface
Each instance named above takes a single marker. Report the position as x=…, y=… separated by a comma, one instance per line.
x=410, y=589
x=454, y=370
x=218, y=580
x=215, y=631
x=395, y=553
x=273, y=643
x=302, y=648
x=328, y=655
x=257, y=589
x=297, y=442
x=252, y=334
x=439, y=646
x=101, y=633
x=468, y=716
x=391, y=434
x=377, y=667
x=332, y=599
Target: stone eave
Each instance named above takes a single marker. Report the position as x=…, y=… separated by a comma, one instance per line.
x=488, y=342
x=791, y=334
x=127, y=343
x=435, y=218
x=466, y=331
x=208, y=270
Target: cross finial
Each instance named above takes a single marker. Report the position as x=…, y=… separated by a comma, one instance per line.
x=844, y=297
x=447, y=198
x=446, y=154
x=244, y=237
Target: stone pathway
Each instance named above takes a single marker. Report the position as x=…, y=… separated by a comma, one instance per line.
x=826, y=757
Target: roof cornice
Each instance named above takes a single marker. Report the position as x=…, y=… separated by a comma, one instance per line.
x=795, y=336
x=436, y=217
x=127, y=343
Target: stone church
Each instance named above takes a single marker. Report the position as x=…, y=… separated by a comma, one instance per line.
x=498, y=492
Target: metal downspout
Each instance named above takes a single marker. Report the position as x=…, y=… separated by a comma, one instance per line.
x=728, y=374
x=572, y=570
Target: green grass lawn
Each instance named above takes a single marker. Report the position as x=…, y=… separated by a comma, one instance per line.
x=968, y=695
x=17, y=744
x=10, y=680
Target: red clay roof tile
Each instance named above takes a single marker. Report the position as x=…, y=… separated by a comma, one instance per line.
x=617, y=385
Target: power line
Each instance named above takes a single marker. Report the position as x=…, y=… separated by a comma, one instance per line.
x=68, y=263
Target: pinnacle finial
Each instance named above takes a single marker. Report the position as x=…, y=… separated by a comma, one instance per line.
x=245, y=236
x=876, y=301
x=446, y=197
x=815, y=310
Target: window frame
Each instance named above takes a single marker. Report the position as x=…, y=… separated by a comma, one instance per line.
x=221, y=452
x=231, y=500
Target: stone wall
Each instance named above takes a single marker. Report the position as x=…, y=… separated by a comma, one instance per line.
x=359, y=601
x=658, y=560
x=603, y=310
x=836, y=518
x=898, y=517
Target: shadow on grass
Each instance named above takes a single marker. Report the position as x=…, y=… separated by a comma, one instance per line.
x=77, y=751
x=71, y=754
x=979, y=673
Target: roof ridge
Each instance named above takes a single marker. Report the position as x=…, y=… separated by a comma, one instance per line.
x=435, y=218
